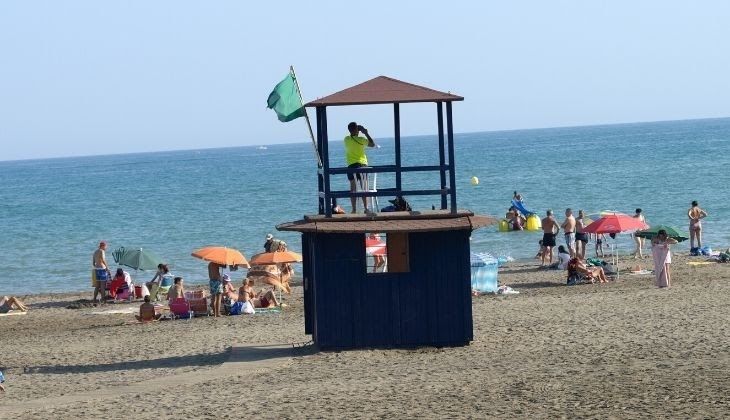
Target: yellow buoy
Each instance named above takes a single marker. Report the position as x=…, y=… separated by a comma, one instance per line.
x=533, y=223
x=474, y=180
x=503, y=225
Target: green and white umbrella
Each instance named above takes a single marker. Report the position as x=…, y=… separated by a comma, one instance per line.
x=136, y=258
x=672, y=232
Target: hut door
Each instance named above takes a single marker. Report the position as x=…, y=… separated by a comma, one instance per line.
x=398, y=252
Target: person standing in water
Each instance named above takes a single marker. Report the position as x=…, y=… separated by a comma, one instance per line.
x=550, y=229
x=581, y=238
x=695, y=214
x=569, y=231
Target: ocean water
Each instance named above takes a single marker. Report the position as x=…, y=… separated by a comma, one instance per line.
x=53, y=212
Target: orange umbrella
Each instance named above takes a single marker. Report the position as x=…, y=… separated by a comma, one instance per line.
x=221, y=255
x=278, y=257
x=266, y=268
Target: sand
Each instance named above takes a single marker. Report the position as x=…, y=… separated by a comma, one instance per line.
x=620, y=350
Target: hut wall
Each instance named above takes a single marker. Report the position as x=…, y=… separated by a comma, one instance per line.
x=346, y=307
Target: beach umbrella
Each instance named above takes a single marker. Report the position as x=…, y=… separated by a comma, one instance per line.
x=672, y=232
x=615, y=223
x=136, y=258
x=269, y=267
x=278, y=257
x=590, y=218
x=375, y=246
x=221, y=255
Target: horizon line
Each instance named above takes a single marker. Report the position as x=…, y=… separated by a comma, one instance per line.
x=506, y=130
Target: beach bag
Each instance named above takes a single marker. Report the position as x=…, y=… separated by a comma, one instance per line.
x=248, y=308
x=236, y=308
x=610, y=269
x=573, y=279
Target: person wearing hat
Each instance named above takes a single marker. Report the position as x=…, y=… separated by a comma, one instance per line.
x=269, y=242
x=101, y=270
x=230, y=293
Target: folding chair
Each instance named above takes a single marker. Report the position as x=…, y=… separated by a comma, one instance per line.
x=374, y=206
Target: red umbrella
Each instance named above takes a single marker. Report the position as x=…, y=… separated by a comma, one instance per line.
x=615, y=223
x=374, y=245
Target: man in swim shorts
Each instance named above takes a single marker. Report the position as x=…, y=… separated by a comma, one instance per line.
x=581, y=238
x=356, y=158
x=569, y=229
x=550, y=228
x=216, y=287
x=101, y=269
x=695, y=214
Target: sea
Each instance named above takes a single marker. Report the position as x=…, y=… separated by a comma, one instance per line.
x=54, y=212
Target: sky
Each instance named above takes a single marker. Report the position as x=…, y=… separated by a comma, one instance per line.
x=106, y=77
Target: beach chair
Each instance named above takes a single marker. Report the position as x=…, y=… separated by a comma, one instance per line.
x=156, y=291
x=576, y=277
x=180, y=308
x=198, y=302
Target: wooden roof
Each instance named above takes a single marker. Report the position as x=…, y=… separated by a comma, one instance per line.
x=427, y=221
x=384, y=90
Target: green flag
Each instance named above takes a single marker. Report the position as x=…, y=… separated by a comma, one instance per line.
x=285, y=100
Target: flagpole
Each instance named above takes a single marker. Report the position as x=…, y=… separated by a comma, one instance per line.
x=306, y=116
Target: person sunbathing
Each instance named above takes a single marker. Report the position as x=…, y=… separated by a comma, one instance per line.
x=264, y=299
x=7, y=304
x=177, y=290
x=147, y=311
x=579, y=266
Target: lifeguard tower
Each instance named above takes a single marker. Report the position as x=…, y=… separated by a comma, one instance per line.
x=422, y=295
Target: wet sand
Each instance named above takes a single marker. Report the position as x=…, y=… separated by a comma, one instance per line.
x=620, y=350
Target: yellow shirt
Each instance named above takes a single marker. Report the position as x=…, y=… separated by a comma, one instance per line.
x=355, y=150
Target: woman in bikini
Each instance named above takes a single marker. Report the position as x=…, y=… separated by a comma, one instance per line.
x=695, y=214
x=638, y=251
x=263, y=299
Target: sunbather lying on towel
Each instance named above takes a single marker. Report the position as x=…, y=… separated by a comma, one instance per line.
x=9, y=303
x=264, y=299
x=147, y=311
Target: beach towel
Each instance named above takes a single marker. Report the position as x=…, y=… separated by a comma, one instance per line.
x=662, y=256
x=14, y=313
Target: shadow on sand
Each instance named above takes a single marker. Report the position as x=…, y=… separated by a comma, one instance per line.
x=251, y=353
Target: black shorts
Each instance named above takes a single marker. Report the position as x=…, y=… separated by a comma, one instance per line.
x=583, y=237
x=548, y=239
x=352, y=176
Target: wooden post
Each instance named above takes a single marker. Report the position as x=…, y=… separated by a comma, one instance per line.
x=452, y=165
x=325, y=164
x=396, y=137
x=442, y=158
x=320, y=170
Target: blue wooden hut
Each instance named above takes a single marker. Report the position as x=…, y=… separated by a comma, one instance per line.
x=421, y=296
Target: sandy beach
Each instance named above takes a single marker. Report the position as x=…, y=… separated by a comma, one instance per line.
x=620, y=350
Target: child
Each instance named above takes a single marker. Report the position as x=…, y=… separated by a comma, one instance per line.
x=540, y=251
x=600, y=237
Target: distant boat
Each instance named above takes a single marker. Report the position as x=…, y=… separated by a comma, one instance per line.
x=262, y=147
